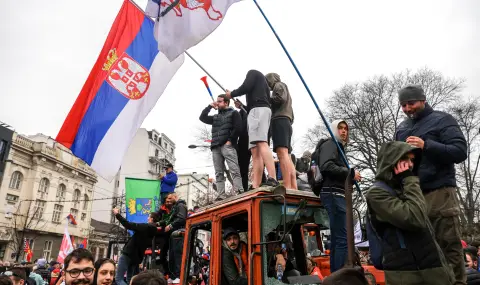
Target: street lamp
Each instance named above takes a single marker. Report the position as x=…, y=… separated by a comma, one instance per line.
x=192, y=146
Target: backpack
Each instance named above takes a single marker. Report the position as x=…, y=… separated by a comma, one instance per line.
x=374, y=239
x=314, y=175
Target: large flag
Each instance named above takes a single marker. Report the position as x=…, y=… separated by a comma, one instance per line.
x=182, y=24
x=128, y=78
x=142, y=197
x=27, y=250
x=66, y=247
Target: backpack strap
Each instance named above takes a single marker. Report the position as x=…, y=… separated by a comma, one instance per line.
x=390, y=190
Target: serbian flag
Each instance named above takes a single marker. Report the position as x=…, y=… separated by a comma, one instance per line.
x=71, y=219
x=124, y=85
x=182, y=24
x=66, y=247
x=83, y=244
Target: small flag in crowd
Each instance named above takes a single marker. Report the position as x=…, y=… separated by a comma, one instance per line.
x=27, y=250
x=182, y=24
x=66, y=247
x=71, y=219
x=124, y=85
x=83, y=244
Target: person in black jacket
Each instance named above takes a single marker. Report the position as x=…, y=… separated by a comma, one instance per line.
x=259, y=114
x=226, y=126
x=244, y=153
x=473, y=276
x=443, y=144
x=335, y=172
x=134, y=250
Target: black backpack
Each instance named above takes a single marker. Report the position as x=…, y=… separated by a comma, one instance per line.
x=315, y=178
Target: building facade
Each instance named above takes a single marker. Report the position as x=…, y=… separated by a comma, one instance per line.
x=43, y=183
x=146, y=157
x=101, y=234
x=195, y=189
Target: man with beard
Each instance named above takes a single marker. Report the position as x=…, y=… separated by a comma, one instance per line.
x=443, y=145
x=234, y=259
x=79, y=267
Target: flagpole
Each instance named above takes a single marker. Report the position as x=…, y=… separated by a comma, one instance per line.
x=344, y=158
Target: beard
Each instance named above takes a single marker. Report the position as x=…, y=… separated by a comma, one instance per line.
x=83, y=281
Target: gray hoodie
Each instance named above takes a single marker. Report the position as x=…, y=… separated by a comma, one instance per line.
x=280, y=100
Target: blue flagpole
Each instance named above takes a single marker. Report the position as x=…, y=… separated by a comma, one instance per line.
x=309, y=93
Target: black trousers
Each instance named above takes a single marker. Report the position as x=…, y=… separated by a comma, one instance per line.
x=244, y=155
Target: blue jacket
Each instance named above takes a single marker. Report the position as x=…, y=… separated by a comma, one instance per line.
x=169, y=181
x=444, y=146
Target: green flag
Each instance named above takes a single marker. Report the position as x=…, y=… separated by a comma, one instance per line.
x=142, y=197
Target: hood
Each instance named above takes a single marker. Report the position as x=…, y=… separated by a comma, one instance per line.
x=388, y=156
x=272, y=79
x=334, y=127
x=181, y=201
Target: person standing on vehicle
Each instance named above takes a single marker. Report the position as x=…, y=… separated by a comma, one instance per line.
x=281, y=128
x=134, y=250
x=168, y=182
x=335, y=172
x=411, y=254
x=259, y=114
x=226, y=126
x=443, y=144
x=243, y=151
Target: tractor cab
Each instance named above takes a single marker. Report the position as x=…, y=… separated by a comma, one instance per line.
x=267, y=219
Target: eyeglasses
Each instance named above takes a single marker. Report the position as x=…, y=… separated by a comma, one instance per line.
x=74, y=273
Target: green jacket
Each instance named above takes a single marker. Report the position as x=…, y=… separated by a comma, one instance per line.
x=407, y=212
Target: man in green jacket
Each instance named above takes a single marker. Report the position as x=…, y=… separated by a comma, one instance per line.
x=410, y=253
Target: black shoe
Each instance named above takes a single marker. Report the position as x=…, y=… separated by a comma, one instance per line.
x=250, y=188
x=271, y=182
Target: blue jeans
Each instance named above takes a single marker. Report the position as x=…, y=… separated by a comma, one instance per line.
x=125, y=266
x=336, y=209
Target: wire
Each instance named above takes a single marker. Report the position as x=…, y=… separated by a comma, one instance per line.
x=62, y=201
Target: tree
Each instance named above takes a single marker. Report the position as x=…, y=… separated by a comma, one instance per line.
x=372, y=111
x=467, y=113
x=23, y=223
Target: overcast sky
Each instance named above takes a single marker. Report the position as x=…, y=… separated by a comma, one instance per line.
x=48, y=48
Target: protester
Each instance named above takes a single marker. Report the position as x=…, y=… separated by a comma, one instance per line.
x=30, y=270
x=234, y=259
x=443, y=144
x=168, y=182
x=196, y=209
x=332, y=194
x=5, y=280
x=473, y=276
x=312, y=268
x=54, y=272
x=79, y=268
x=104, y=272
x=18, y=276
x=149, y=277
x=42, y=270
x=259, y=114
x=410, y=253
x=281, y=127
x=226, y=126
x=134, y=250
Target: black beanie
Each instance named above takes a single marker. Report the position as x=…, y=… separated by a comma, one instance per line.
x=411, y=93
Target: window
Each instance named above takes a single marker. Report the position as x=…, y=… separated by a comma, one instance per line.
x=43, y=188
x=239, y=222
x=38, y=209
x=3, y=149
x=165, y=145
x=3, y=248
x=85, y=202
x=199, y=249
x=303, y=238
x=156, y=152
x=61, y=192
x=74, y=213
x=16, y=180
x=155, y=137
x=84, y=216
x=171, y=150
x=57, y=213
x=160, y=141
x=101, y=252
x=76, y=198
x=47, y=249
x=12, y=199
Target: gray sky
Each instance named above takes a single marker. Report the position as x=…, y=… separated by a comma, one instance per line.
x=48, y=48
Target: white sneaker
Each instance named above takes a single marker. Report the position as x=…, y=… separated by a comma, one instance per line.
x=176, y=281
x=169, y=281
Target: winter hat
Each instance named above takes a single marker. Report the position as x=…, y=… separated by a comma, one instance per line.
x=229, y=231
x=41, y=262
x=411, y=93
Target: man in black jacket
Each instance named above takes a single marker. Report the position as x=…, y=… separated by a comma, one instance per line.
x=443, y=144
x=244, y=153
x=259, y=114
x=335, y=172
x=134, y=250
x=226, y=126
